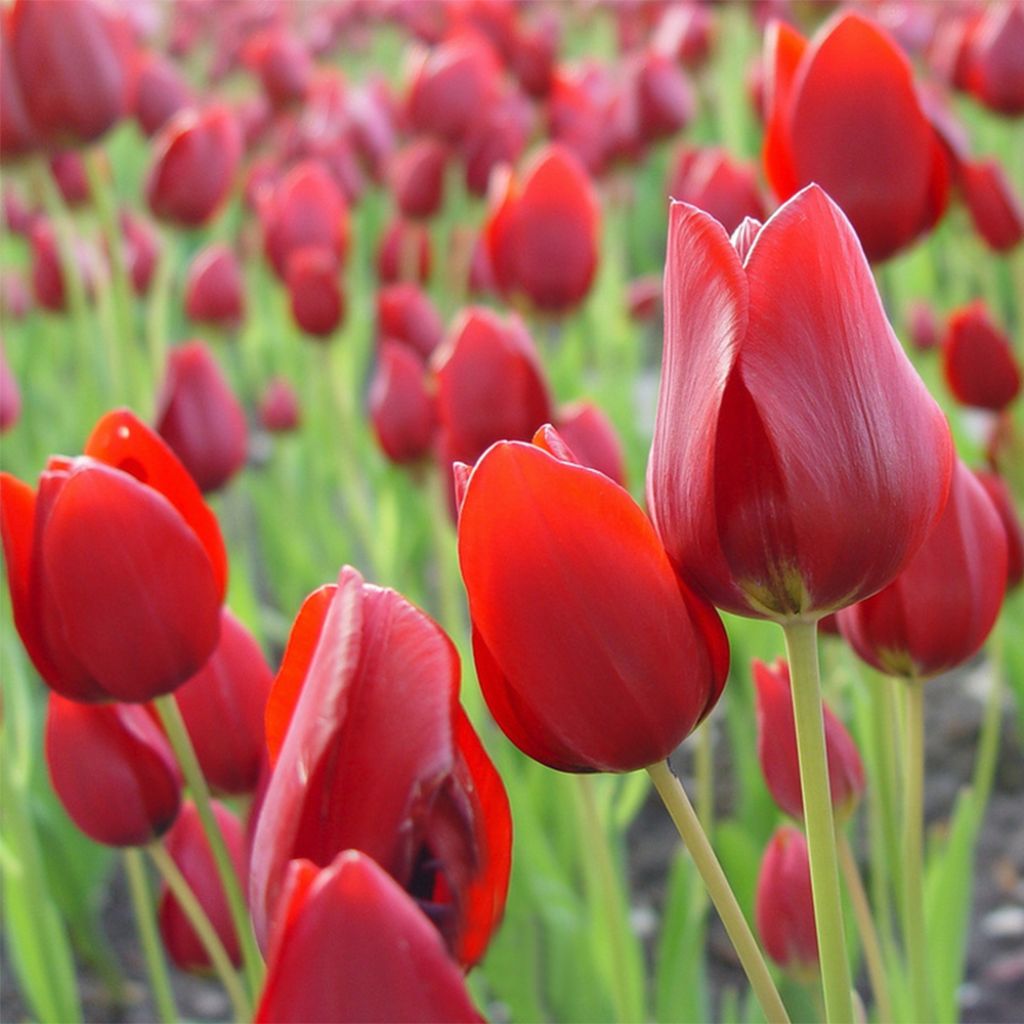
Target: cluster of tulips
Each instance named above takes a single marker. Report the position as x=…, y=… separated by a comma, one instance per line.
x=413, y=283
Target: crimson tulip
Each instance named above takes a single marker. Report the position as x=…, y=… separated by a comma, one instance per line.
x=10, y=395
x=577, y=114
x=922, y=326
x=48, y=284
x=784, y=909
x=404, y=253
x=403, y=410
x=141, y=251
x=351, y=945
x=417, y=178
x=283, y=65
x=661, y=95
x=112, y=770
x=591, y=653
x=18, y=135
x=279, y=407
x=68, y=170
x=589, y=433
x=996, y=212
x=116, y=567
x=798, y=461
x=406, y=314
x=543, y=231
x=711, y=180
x=978, y=361
x=844, y=112
x=314, y=290
x=214, y=290
x=993, y=69
x=643, y=297
x=499, y=138
x=369, y=680
x=776, y=747
x=160, y=91
x=941, y=607
x=1002, y=498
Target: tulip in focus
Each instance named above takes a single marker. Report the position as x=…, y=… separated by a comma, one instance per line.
x=978, y=361
x=784, y=910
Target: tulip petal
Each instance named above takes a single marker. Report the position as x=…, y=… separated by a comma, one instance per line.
x=784, y=49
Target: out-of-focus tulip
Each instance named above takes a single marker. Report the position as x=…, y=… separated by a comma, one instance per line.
x=711, y=180
x=1002, y=498
x=283, y=65
x=116, y=567
x=417, y=178
x=141, y=251
x=978, y=361
x=500, y=138
x=68, y=172
x=19, y=217
x=404, y=253
x=684, y=33
x=160, y=91
x=534, y=54
x=993, y=69
x=784, y=908
x=844, y=112
x=223, y=706
x=403, y=410
x=922, y=326
x=577, y=118
x=775, y=370
x=543, y=231
x=307, y=209
x=71, y=69
x=200, y=418
x=18, y=135
x=214, y=290
x=279, y=407
x=643, y=297
x=313, y=279
x=662, y=94
x=15, y=297
x=10, y=395
x=196, y=155
x=776, y=747
x=994, y=209
x=112, y=770
x=48, y=285
x=189, y=848
x=941, y=607
x=406, y=314
x=350, y=945
x=433, y=814
x=591, y=653
x=590, y=435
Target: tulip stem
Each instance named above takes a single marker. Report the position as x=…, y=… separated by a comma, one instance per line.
x=705, y=767
x=866, y=928
x=177, y=734
x=678, y=805
x=802, y=651
x=205, y=932
x=913, y=859
x=156, y=965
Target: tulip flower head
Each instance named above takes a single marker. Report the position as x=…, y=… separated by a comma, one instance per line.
x=214, y=290
x=978, y=360
x=1002, y=498
x=403, y=409
x=784, y=908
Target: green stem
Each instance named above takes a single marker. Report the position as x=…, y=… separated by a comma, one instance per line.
x=156, y=965
x=205, y=932
x=181, y=744
x=705, y=777
x=988, y=743
x=913, y=849
x=678, y=805
x=449, y=582
x=802, y=651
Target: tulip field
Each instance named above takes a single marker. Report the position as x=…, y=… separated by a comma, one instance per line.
x=512, y=510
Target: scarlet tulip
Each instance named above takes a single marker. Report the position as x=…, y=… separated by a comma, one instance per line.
x=978, y=361
x=993, y=70
x=403, y=410
x=543, y=229
x=196, y=157
x=116, y=567
x=141, y=251
x=590, y=435
x=313, y=279
x=417, y=178
x=798, y=461
x=200, y=418
x=112, y=770
x=996, y=212
x=784, y=908
x=350, y=945
x=711, y=180
x=844, y=112
x=591, y=653
x=776, y=747
x=279, y=407
x=68, y=172
x=662, y=94
x=214, y=291
x=404, y=253
x=406, y=314
x=922, y=326
x=1002, y=498
x=941, y=607
x=500, y=138
x=48, y=283
x=160, y=91
x=283, y=65
x=367, y=679
x=10, y=395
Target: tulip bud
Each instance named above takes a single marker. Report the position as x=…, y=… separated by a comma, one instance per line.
x=18, y=135
x=10, y=395
x=68, y=172
x=978, y=361
x=785, y=907
x=314, y=291
x=1002, y=498
x=498, y=139
x=993, y=69
x=417, y=178
x=589, y=433
x=283, y=65
x=711, y=180
x=994, y=209
x=112, y=770
x=663, y=96
x=643, y=297
x=402, y=409
x=200, y=418
x=214, y=291
x=160, y=92
x=141, y=250
x=922, y=326
x=279, y=407
x=406, y=314
x=404, y=253
x=48, y=283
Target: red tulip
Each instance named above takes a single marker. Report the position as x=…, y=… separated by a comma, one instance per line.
x=404, y=253
x=196, y=156
x=214, y=290
x=18, y=135
x=141, y=251
x=283, y=65
x=200, y=418
x=643, y=297
x=313, y=279
x=406, y=314
x=978, y=361
x=1002, y=498
x=10, y=395
x=684, y=33
x=48, y=284
x=941, y=607
x=661, y=96
x=776, y=747
x=784, y=909
x=922, y=326
x=160, y=91
x=116, y=567
x=223, y=706
x=534, y=54
x=711, y=180
x=432, y=812
x=279, y=407
x=112, y=770
x=843, y=112
x=591, y=653
x=996, y=212
x=500, y=138
x=68, y=170
x=70, y=67
x=798, y=461
x=403, y=410
x=417, y=178
x=19, y=217
x=189, y=848
x=543, y=230
x=577, y=112
x=590, y=435
x=993, y=69
x=350, y=945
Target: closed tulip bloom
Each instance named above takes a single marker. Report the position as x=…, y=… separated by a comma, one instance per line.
x=214, y=290
x=116, y=567
x=68, y=172
x=643, y=298
x=500, y=138
x=996, y=212
x=367, y=679
x=112, y=770
x=279, y=407
x=404, y=253
x=283, y=65
x=994, y=71
x=711, y=180
x=543, y=230
x=18, y=135
x=351, y=945
x=1002, y=498
x=937, y=613
x=844, y=112
x=593, y=440
x=160, y=91
x=978, y=361
x=48, y=284
x=313, y=280
x=776, y=747
x=189, y=848
x=195, y=159
x=403, y=410
x=922, y=326
x=406, y=314
x=784, y=910
x=141, y=251
x=663, y=96
x=200, y=418
x=10, y=395
x=798, y=461
x=417, y=178
x=591, y=654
